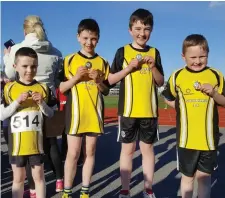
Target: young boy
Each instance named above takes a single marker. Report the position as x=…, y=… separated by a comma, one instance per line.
x=195, y=91
x=138, y=67
x=84, y=73
x=29, y=100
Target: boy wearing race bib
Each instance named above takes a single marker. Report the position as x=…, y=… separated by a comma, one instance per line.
x=30, y=102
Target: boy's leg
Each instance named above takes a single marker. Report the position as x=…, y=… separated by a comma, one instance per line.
x=127, y=135
x=204, y=184
x=37, y=168
x=19, y=175
x=73, y=153
x=148, y=163
x=39, y=180
x=187, y=184
x=89, y=150
x=206, y=165
x=148, y=135
x=126, y=157
x=188, y=162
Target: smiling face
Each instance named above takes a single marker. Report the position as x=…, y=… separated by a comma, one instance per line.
x=27, y=68
x=195, y=57
x=140, y=33
x=88, y=41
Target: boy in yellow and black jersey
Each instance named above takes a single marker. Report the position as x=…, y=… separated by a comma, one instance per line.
x=84, y=77
x=196, y=91
x=138, y=67
x=27, y=103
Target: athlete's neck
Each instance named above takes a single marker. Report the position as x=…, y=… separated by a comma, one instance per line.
x=135, y=45
x=88, y=54
x=25, y=81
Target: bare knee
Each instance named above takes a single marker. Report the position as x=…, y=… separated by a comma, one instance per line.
x=73, y=155
x=38, y=174
x=203, y=177
x=90, y=152
x=19, y=179
x=128, y=149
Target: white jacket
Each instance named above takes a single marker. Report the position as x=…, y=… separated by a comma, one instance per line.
x=49, y=60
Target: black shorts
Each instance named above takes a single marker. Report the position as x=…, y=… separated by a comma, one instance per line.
x=132, y=129
x=192, y=160
x=86, y=134
x=21, y=161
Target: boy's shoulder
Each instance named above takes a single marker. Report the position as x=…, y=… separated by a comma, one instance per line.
x=216, y=70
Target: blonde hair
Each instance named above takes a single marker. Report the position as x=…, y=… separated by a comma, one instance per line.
x=34, y=24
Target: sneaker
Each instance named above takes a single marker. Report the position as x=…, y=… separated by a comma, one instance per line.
x=33, y=195
x=146, y=195
x=84, y=195
x=65, y=195
x=59, y=185
x=124, y=196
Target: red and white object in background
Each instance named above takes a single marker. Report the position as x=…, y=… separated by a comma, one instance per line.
x=62, y=99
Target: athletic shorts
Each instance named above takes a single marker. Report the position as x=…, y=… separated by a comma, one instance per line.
x=21, y=161
x=133, y=129
x=86, y=134
x=192, y=160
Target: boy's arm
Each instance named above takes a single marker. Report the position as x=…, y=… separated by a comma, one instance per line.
x=219, y=98
x=67, y=85
x=8, y=111
x=117, y=73
x=157, y=70
x=169, y=93
x=170, y=103
x=47, y=108
x=217, y=94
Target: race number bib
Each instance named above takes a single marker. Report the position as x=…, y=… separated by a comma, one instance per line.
x=26, y=121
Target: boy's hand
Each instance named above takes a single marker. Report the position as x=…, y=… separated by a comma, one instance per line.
x=135, y=64
x=37, y=97
x=150, y=61
x=82, y=73
x=207, y=89
x=22, y=97
x=96, y=75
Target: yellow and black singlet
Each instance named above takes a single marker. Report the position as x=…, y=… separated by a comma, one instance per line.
x=84, y=106
x=197, y=114
x=26, y=124
x=138, y=92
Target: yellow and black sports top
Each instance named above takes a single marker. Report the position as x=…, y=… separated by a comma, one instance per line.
x=138, y=92
x=26, y=124
x=197, y=114
x=84, y=106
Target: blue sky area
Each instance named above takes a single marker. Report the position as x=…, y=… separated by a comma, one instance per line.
x=173, y=22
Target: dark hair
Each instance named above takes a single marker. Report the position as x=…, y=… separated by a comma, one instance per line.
x=194, y=40
x=26, y=51
x=141, y=15
x=88, y=24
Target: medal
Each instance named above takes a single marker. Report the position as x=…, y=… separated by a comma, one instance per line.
x=88, y=65
x=197, y=85
x=139, y=57
x=29, y=93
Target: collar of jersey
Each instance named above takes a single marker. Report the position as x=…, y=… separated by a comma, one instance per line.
x=86, y=56
x=192, y=71
x=32, y=83
x=146, y=49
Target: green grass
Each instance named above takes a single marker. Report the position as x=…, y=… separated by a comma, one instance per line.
x=112, y=102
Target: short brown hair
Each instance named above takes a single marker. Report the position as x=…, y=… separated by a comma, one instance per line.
x=89, y=24
x=26, y=51
x=141, y=15
x=194, y=40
